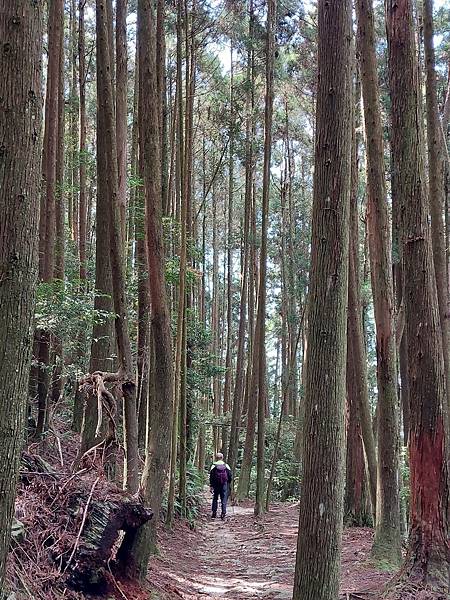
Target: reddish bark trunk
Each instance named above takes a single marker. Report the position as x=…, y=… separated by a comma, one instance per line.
x=427, y=560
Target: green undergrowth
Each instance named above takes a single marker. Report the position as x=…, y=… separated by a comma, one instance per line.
x=194, y=497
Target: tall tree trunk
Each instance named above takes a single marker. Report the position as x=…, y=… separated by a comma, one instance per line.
x=356, y=503
x=47, y=226
x=164, y=111
x=179, y=411
x=185, y=403
x=137, y=199
x=240, y=362
x=126, y=369
x=228, y=356
x=261, y=311
x=161, y=400
x=284, y=288
x=427, y=557
x=215, y=312
x=357, y=385
x=249, y=404
x=321, y=515
x=57, y=357
x=74, y=107
x=21, y=31
x=102, y=332
x=82, y=145
x=292, y=324
x=387, y=543
x=121, y=111
x=144, y=310
x=437, y=164
x=356, y=511
x=203, y=404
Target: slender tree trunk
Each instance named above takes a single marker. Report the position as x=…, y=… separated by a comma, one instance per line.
x=215, y=324
x=74, y=114
x=201, y=454
x=144, y=310
x=240, y=362
x=228, y=356
x=356, y=500
x=321, y=515
x=261, y=312
x=185, y=403
x=387, y=543
x=59, y=167
x=427, y=557
x=356, y=505
x=82, y=145
x=284, y=291
x=102, y=333
x=178, y=414
x=249, y=405
x=48, y=205
x=21, y=31
x=292, y=323
x=357, y=386
x=437, y=164
x=57, y=355
x=161, y=405
x=126, y=369
x=164, y=111
x=121, y=111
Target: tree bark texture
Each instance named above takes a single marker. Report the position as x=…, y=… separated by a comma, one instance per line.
x=360, y=418
x=47, y=223
x=262, y=296
x=161, y=400
x=427, y=557
x=126, y=368
x=21, y=31
x=437, y=163
x=321, y=515
x=82, y=233
x=121, y=111
x=387, y=543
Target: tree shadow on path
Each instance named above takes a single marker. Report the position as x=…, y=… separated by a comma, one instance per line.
x=245, y=558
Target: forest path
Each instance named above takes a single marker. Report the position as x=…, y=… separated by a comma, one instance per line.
x=245, y=558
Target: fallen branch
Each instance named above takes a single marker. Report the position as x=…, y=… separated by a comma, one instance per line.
x=122, y=593
x=66, y=483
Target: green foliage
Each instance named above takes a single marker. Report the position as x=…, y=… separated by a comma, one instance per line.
x=285, y=484
x=68, y=312
x=203, y=364
x=404, y=484
x=194, y=494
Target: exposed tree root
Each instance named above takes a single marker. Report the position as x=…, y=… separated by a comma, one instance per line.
x=402, y=588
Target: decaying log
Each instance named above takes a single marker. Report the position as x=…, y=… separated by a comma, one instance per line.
x=92, y=519
x=89, y=568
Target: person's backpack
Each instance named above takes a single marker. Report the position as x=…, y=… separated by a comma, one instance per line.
x=221, y=474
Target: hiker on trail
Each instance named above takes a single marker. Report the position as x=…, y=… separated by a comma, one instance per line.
x=219, y=480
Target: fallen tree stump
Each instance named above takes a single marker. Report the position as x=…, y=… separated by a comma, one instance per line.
x=90, y=566
x=84, y=519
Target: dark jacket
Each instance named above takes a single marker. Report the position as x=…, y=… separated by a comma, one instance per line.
x=214, y=477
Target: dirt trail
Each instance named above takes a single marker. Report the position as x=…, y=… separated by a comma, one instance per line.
x=244, y=558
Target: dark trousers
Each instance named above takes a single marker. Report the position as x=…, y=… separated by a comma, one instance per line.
x=223, y=493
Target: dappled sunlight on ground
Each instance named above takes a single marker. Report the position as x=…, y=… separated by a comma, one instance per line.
x=245, y=558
